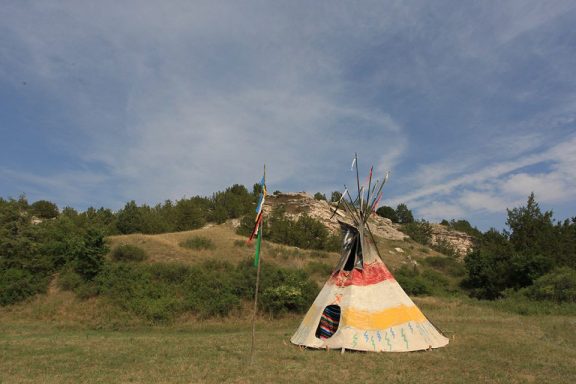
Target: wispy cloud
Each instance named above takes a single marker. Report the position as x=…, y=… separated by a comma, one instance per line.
x=501, y=185
x=466, y=104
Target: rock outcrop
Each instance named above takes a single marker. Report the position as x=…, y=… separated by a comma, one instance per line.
x=299, y=203
x=461, y=242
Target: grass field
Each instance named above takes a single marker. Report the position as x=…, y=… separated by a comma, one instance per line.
x=58, y=338
x=486, y=346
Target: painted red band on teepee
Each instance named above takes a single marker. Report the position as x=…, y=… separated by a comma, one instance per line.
x=371, y=274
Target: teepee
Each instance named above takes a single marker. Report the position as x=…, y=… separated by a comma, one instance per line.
x=361, y=306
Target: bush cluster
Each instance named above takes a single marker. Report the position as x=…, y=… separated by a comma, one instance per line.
x=419, y=230
x=523, y=256
x=128, y=252
x=462, y=226
x=418, y=281
x=450, y=266
x=161, y=291
x=305, y=232
x=30, y=254
x=401, y=214
x=445, y=248
x=559, y=286
x=412, y=282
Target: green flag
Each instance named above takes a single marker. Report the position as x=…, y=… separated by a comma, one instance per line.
x=257, y=253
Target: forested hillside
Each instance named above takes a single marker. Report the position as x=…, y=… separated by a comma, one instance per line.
x=533, y=260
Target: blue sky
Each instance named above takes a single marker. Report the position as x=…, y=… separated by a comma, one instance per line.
x=470, y=105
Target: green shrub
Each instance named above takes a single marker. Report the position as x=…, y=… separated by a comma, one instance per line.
x=417, y=282
x=414, y=286
x=462, y=226
x=158, y=292
x=387, y=212
x=87, y=290
x=18, y=284
x=128, y=252
x=420, y=231
x=446, y=248
x=435, y=280
x=411, y=281
x=517, y=302
x=198, y=243
x=210, y=289
x=170, y=273
x=133, y=288
x=69, y=280
x=288, y=291
x=558, y=286
x=89, y=254
x=319, y=196
x=305, y=232
x=275, y=281
x=447, y=265
x=246, y=225
x=44, y=209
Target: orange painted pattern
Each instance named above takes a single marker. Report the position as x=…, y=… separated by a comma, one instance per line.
x=382, y=319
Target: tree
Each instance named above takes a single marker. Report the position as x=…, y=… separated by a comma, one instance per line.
x=24, y=270
x=189, y=214
x=488, y=266
x=44, y=209
x=387, y=212
x=89, y=255
x=531, y=231
x=404, y=214
x=517, y=257
x=335, y=196
x=102, y=218
x=420, y=231
x=236, y=201
x=319, y=196
x=129, y=219
x=257, y=189
x=463, y=226
x=565, y=249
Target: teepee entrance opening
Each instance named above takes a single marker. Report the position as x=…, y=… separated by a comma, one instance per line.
x=329, y=322
x=351, y=256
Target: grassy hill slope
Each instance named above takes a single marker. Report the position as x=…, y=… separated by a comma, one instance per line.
x=231, y=247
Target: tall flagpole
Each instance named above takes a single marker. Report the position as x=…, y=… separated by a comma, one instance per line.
x=258, y=243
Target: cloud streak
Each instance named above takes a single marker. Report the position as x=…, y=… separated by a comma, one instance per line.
x=466, y=104
x=501, y=185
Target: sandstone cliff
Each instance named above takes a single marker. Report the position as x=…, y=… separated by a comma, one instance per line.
x=297, y=204
x=461, y=242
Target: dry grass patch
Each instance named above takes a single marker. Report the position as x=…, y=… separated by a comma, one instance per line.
x=228, y=246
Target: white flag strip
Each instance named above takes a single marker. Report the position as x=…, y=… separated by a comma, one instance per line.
x=343, y=194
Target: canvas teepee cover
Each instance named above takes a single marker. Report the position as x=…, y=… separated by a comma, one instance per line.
x=361, y=306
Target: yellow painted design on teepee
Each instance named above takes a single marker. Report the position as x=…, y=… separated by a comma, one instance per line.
x=381, y=319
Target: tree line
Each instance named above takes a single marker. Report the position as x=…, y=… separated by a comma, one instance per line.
x=534, y=256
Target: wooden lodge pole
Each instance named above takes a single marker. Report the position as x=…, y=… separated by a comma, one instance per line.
x=253, y=344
